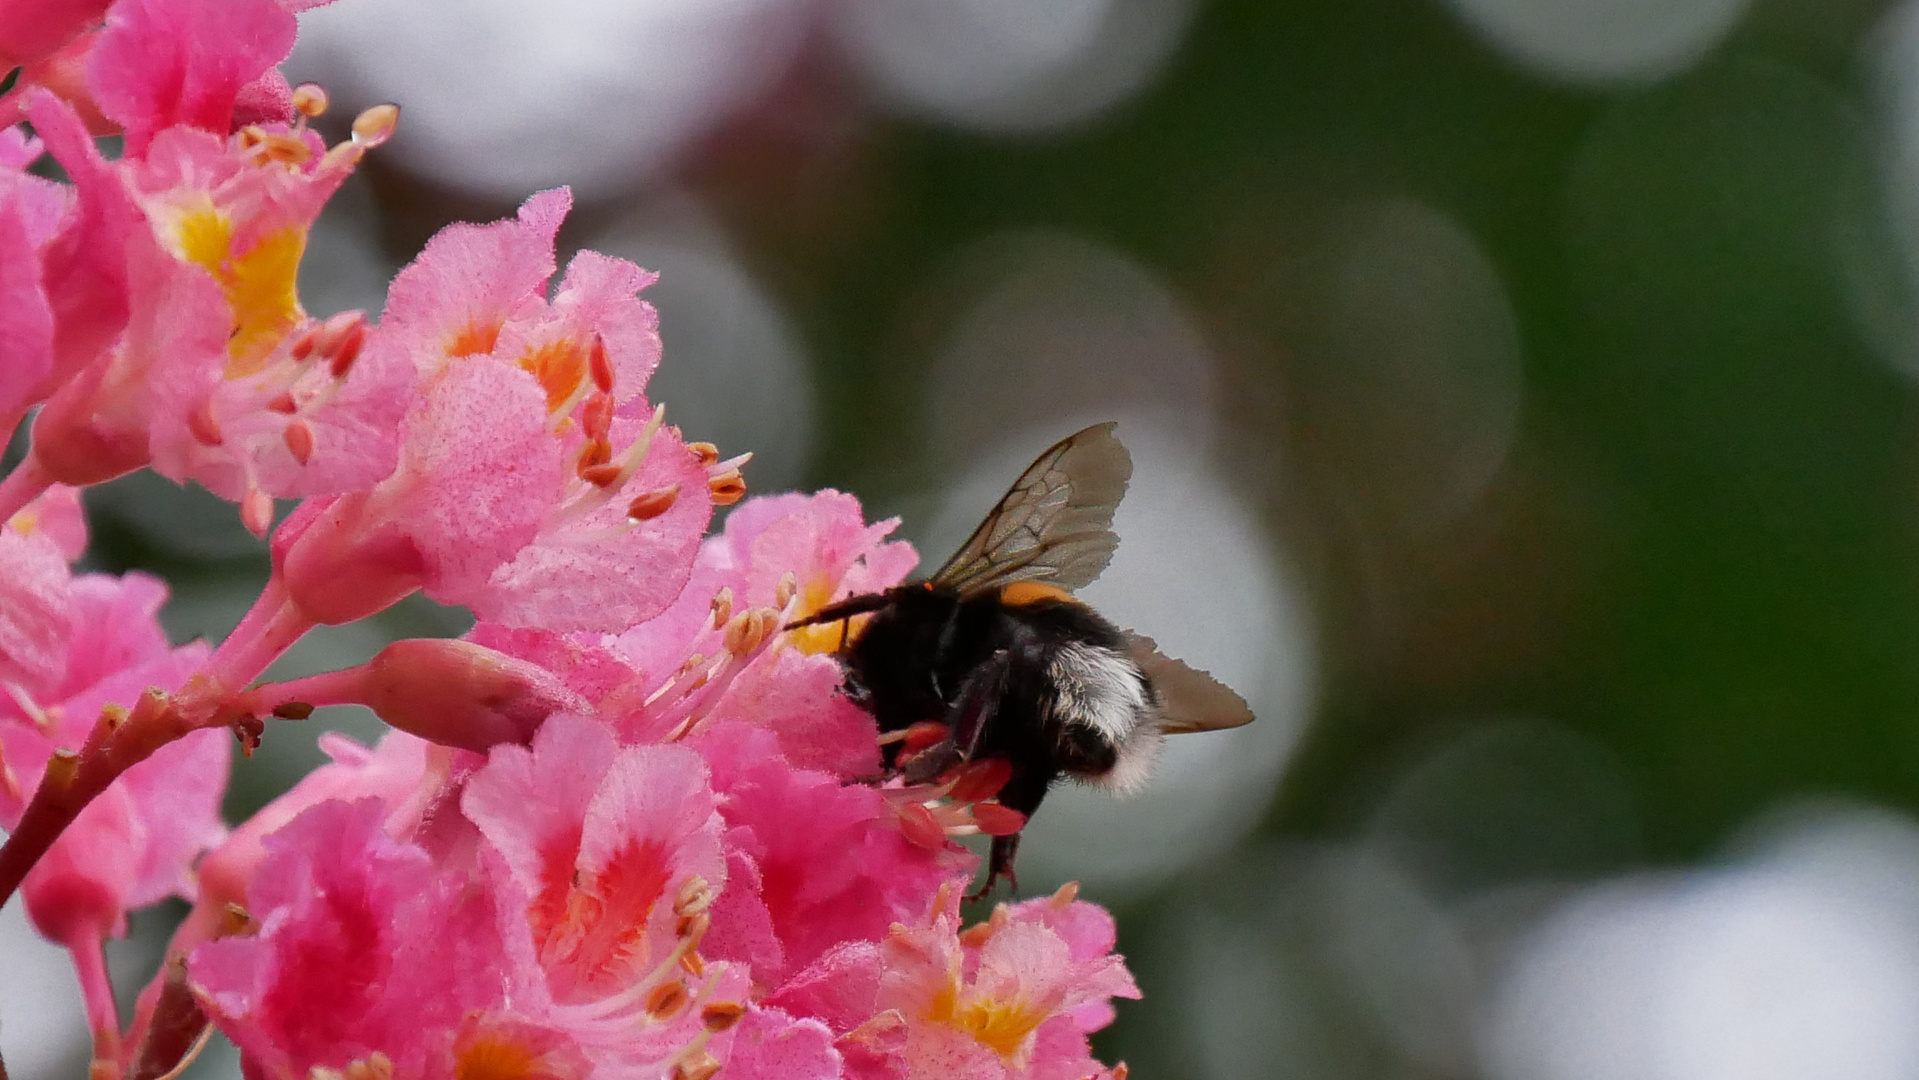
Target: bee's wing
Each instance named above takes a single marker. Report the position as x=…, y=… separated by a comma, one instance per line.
x=1190, y=699
x=1056, y=522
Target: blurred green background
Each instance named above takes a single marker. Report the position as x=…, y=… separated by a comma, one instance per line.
x=1559, y=354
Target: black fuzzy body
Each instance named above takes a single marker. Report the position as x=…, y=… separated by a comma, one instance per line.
x=985, y=668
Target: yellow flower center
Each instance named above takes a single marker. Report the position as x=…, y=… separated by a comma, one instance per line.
x=258, y=283
x=821, y=637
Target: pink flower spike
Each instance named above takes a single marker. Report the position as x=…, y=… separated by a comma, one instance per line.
x=162, y=63
x=454, y=693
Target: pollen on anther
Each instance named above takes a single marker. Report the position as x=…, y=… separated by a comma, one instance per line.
x=722, y=607
x=284, y=403
x=601, y=366
x=256, y=512
x=653, y=503
x=309, y=100
x=705, y=451
x=299, y=440
x=783, y=592
x=375, y=125
x=727, y=488
x=348, y=350
x=596, y=417
x=721, y=1015
x=666, y=999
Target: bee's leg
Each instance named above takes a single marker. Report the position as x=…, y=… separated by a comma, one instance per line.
x=1023, y=792
x=978, y=700
x=999, y=865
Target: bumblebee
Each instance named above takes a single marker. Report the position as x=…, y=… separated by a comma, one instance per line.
x=994, y=647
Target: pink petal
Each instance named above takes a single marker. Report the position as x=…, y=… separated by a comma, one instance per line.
x=599, y=570
x=84, y=268
x=478, y=473
x=797, y=697
x=530, y=802
x=470, y=279
x=770, y=1045
x=35, y=612
x=31, y=29
x=598, y=297
x=166, y=62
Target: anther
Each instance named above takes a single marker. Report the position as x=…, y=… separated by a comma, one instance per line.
x=235, y=922
x=309, y=100
x=1064, y=896
x=596, y=417
x=595, y=452
x=981, y=780
x=996, y=820
x=701, y=1069
x=347, y=349
x=605, y=474
x=783, y=592
x=256, y=512
x=666, y=999
x=375, y=125
x=921, y=735
x=299, y=440
x=722, y=607
x=284, y=403
x=743, y=633
x=706, y=452
x=722, y=1015
x=204, y=425
x=653, y=503
x=600, y=365
x=727, y=488
x=1119, y=1071
x=293, y=710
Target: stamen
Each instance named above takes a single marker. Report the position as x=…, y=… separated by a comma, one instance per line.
x=256, y=512
x=309, y=100
x=284, y=403
x=727, y=488
x=375, y=125
x=666, y=999
x=653, y=503
x=1064, y=896
x=299, y=440
x=706, y=452
x=722, y=607
x=204, y=425
x=347, y=350
x=601, y=366
x=783, y=592
x=722, y=1015
x=596, y=417
x=701, y=1069
x=696, y=895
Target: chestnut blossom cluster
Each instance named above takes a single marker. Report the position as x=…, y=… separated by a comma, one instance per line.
x=628, y=826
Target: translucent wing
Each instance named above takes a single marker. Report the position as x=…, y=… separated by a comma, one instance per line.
x=1190, y=699
x=1056, y=523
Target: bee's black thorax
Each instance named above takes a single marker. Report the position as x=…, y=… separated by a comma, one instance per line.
x=1029, y=669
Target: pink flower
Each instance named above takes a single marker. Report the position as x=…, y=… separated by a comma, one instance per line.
x=30, y=212
x=520, y=493
x=220, y=376
x=831, y=865
x=609, y=847
x=1012, y=997
x=161, y=63
x=367, y=952
x=823, y=541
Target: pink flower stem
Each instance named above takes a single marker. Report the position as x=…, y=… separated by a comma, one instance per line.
x=96, y=989
x=24, y=484
x=268, y=629
x=345, y=687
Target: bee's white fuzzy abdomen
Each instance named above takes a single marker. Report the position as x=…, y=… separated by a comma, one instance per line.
x=1101, y=690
